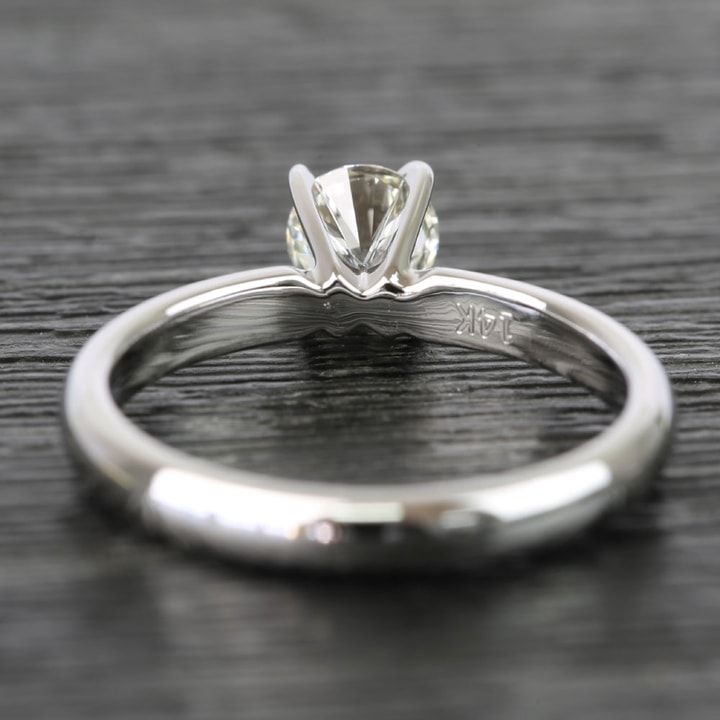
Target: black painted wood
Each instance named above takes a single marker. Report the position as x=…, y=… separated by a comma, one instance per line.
x=145, y=144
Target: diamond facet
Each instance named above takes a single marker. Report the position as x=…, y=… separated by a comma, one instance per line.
x=360, y=206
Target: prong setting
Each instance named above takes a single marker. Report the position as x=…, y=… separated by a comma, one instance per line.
x=367, y=228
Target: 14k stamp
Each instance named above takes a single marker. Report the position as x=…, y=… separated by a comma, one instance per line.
x=476, y=320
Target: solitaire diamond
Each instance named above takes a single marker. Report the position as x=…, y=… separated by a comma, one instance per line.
x=360, y=206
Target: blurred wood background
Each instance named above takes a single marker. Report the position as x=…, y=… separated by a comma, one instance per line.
x=576, y=145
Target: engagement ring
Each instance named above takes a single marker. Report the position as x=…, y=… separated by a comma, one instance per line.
x=362, y=240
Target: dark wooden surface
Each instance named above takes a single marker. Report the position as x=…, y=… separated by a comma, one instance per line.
x=145, y=144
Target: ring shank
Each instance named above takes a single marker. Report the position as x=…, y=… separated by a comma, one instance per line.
x=450, y=317
x=442, y=523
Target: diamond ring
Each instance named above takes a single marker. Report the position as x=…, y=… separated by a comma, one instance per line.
x=362, y=240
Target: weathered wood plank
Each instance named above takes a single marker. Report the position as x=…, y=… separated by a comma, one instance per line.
x=576, y=145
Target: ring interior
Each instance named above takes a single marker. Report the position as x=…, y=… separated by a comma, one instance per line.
x=444, y=316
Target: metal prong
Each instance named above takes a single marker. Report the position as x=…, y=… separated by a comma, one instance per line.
x=301, y=182
x=419, y=177
x=328, y=267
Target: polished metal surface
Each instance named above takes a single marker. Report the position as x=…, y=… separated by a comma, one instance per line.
x=455, y=523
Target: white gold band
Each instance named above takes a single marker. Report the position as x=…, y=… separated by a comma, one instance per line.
x=286, y=521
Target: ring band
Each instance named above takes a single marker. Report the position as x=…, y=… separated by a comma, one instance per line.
x=450, y=523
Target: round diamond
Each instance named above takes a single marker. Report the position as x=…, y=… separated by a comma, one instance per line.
x=360, y=206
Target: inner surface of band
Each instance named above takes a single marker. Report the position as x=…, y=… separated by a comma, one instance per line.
x=453, y=317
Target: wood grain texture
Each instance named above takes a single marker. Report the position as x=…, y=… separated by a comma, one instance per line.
x=576, y=145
